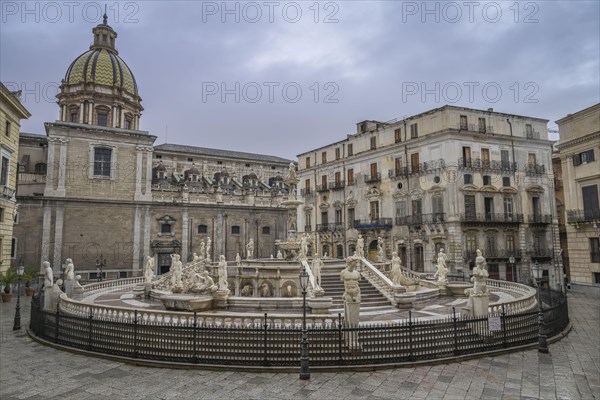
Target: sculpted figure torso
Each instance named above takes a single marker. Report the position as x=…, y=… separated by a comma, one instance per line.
x=360, y=247
x=48, y=275
x=222, y=270
x=396, y=269
x=480, y=275
x=351, y=277
x=149, y=271
x=317, y=266
x=250, y=250
x=176, y=267
x=70, y=271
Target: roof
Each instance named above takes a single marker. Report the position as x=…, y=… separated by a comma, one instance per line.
x=218, y=153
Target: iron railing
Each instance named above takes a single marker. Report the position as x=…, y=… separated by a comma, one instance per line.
x=261, y=342
x=329, y=227
x=420, y=168
x=540, y=253
x=373, y=223
x=587, y=215
x=535, y=169
x=540, y=219
x=322, y=188
x=306, y=192
x=337, y=185
x=493, y=253
x=373, y=178
x=420, y=219
x=476, y=164
x=491, y=218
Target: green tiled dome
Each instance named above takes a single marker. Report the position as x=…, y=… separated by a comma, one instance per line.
x=102, y=67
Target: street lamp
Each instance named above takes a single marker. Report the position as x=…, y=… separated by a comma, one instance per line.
x=100, y=264
x=542, y=342
x=17, y=322
x=304, y=373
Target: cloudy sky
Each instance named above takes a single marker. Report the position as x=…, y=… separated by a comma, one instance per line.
x=282, y=78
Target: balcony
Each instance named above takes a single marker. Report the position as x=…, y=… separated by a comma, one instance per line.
x=420, y=219
x=540, y=253
x=532, y=134
x=493, y=253
x=322, y=188
x=583, y=216
x=306, y=192
x=421, y=168
x=7, y=192
x=475, y=128
x=329, y=227
x=490, y=219
x=373, y=223
x=478, y=165
x=338, y=185
x=539, y=219
x=373, y=178
x=535, y=169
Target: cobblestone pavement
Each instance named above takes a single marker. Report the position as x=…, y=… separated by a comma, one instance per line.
x=570, y=371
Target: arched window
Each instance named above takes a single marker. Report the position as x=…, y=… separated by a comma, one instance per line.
x=40, y=168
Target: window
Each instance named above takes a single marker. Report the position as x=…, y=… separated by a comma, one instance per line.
x=414, y=132
x=400, y=209
x=1, y=215
x=508, y=207
x=190, y=159
x=482, y=125
x=488, y=203
x=470, y=206
x=307, y=186
x=324, y=218
x=103, y=119
x=350, y=149
x=373, y=171
x=338, y=217
x=307, y=162
x=74, y=117
x=510, y=244
x=504, y=160
x=374, y=207
x=40, y=168
x=471, y=242
x=7, y=128
x=506, y=181
x=102, y=159
x=202, y=229
x=468, y=179
x=466, y=151
x=529, y=131
x=398, y=166
x=417, y=211
x=122, y=274
x=266, y=230
x=463, y=122
x=351, y=217
x=235, y=230
x=324, y=181
x=583, y=158
x=307, y=221
x=165, y=229
x=337, y=153
x=414, y=162
x=397, y=135
x=324, y=157
x=219, y=162
x=595, y=250
x=437, y=206
x=373, y=142
x=104, y=38
x=487, y=180
x=13, y=248
x=531, y=159
x=4, y=171
x=127, y=123
x=485, y=157
x=591, y=208
x=490, y=249
x=350, y=176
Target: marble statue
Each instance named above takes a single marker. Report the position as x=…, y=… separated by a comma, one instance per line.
x=396, y=269
x=208, y=247
x=292, y=222
x=203, y=283
x=48, y=275
x=56, y=292
x=351, y=297
x=69, y=277
x=360, y=247
x=292, y=170
x=279, y=255
x=77, y=288
x=202, y=250
x=195, y=257
x=303, y=246
x=247, y=290
x=442, y=271
x=149, y=270
x=480, y=275
x=317, y=266
x=265, y=290
x=238, y=260
x=250, y=250
x=222, y=271
x=380, y=255
x=176, y=269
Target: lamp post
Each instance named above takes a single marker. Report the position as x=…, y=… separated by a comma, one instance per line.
x=100, y=264
x=304, y=372
x=542, y=342
x=17, y=322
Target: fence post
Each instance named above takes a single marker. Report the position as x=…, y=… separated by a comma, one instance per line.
x=340, y=361
x=410, y=336
x=265, y=326
x=135, y=333
x=57, y=322
x=455, y=331
x=503, y=316
x=195, y=356
x=90, y=329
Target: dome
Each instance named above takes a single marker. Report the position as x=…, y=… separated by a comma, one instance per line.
x=103, y=67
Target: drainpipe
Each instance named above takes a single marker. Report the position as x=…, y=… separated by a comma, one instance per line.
x=409, y=247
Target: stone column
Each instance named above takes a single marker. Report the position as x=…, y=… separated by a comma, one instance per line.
x=149, y=172
x=138, y=172
x=58, y=238
x=147, y=238
x=81, y=106
x=218, y=243
x=136, y=242
x=50, y=173
x=185, y=235
x=90, y=113
x=62, y=168
x=122, y=119
x=45, y=253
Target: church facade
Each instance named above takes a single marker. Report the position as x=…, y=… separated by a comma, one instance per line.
x=97, y=190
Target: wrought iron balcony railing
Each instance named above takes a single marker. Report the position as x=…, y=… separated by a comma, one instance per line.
x=329, y=227
x=338, y=185
x=470, y=255
x=583, y=216
x=535, y=169
x=540, y=253
x=419, y=219
x=322, y=188
x=539, y=219
x=306, y=192
x=373, y=223
x=491, y=218
x=476, y=164
x=373, y=178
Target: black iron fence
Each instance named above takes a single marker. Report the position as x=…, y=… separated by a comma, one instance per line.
x=266, y=344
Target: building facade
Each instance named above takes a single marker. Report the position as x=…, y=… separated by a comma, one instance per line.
x=579, y=149
x=11, y=114
x=97, y=189
x=454, y=178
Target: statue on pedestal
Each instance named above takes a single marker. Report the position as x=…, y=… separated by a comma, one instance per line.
x=351, y=297
x=317, y=266
x=176, y=269
x=48, y=282
x=203, y=283
x=202, y=250
x=250, y=250
x=208, y=248
x=149, y=270
x=222, y=271
x=442, y=271
x=238, y=260
x=303, y=246
x=396, y=269
x=69, y=277
x=479, y=296
x=360, y=247
x=380, y=254
x=480, y=275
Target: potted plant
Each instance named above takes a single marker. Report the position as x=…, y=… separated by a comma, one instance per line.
x=7, y=278
x=29, y=276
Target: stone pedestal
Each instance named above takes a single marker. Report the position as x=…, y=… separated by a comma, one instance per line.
x=147, y=289
x=477, y=306
x=443, y=288
x=320, y=305
x=351, y=319
x=220, y=298
x=187, y=302
x=48, y=299
x=69, y=287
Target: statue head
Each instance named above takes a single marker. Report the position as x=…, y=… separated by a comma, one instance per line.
x=478, y=253
x=394, y=254
x=46, y=264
